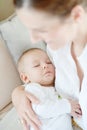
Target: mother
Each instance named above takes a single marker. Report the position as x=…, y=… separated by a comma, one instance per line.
x=62, y=24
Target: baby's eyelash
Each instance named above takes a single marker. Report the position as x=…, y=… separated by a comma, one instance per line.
x=49, y=62
x=37, y=65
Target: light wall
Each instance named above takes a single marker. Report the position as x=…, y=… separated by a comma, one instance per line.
x=6, y=9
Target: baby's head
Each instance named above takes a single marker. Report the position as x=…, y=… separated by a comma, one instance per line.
x=34, y=66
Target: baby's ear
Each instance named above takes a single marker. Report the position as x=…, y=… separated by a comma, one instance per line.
x=24, y=78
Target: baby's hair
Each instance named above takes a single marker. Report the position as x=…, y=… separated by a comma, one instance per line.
x=21, y=58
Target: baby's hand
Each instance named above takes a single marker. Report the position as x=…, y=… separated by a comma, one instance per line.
x=75, y=108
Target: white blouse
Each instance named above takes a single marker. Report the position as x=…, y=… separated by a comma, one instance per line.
x=67, y=82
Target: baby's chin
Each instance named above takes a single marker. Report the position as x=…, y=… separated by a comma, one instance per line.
x=48, y=84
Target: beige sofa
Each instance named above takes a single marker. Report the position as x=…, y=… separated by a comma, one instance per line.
x=9, y=78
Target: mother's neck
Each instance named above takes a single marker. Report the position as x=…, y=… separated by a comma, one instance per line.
x=79, y=44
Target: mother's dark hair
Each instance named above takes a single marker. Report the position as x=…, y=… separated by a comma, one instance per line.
x=56, y=7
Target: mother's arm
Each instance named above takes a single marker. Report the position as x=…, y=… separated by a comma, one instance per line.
x=22, y=102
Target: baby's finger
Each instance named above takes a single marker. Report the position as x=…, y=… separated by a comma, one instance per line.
x=76, y=115
x=78, y=111
x=78, y=106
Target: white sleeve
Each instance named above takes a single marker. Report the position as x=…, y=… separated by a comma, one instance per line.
x=52, y=108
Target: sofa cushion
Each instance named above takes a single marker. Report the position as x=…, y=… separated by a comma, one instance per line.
x=9, y=77
x=16, y=37
x=11, y=121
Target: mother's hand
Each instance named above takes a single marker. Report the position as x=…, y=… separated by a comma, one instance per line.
x=22, y=102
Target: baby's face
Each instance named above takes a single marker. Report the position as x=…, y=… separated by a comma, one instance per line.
x=39, y=68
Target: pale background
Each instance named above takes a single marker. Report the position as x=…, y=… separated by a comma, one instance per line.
x=6, y=9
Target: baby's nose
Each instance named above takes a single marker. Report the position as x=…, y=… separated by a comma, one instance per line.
x=45, y=66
